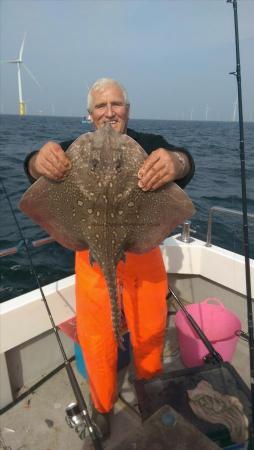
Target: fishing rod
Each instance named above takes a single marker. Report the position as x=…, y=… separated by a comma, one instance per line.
x=213, y=356
x=77, y=415
x=237, y=73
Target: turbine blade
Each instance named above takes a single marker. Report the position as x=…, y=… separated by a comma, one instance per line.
x=8, y=61
x=22, y=47
x=31, y=75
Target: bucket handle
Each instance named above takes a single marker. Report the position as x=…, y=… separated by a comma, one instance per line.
x=213, y=300
x=242, y=335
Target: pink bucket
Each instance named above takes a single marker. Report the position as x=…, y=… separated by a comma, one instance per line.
x=219, y=325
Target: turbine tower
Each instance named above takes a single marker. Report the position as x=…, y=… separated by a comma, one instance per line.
x=207, y=111
x=234, y=110
x=19, y=61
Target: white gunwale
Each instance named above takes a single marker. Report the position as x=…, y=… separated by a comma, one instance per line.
x=25, y=317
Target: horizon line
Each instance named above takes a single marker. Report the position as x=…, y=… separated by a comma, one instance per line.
x=132, y=118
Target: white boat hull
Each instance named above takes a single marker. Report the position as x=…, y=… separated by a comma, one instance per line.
x=28, y=348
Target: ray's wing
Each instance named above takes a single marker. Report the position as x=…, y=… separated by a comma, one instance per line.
x=62, y=208
x=158, y=214
x=147, y=218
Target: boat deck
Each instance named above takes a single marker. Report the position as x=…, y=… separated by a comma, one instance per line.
x=38, y=421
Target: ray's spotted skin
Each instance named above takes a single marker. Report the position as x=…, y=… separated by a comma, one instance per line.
x=100, y=206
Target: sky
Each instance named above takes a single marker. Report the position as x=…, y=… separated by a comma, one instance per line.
x=172, y=56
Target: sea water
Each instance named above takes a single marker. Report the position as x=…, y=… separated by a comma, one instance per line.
x=217, y=182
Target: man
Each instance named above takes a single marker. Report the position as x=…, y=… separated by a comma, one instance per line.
x=141, y=278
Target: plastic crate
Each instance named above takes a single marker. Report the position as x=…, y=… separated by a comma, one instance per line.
x=171, y=388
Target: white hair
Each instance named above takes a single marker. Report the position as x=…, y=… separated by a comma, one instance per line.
x=101, y=83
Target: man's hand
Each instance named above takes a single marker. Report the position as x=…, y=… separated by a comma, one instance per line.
x=51, y=161
x=160, y=167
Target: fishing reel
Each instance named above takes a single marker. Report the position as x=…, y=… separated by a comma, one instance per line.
x=76, y=419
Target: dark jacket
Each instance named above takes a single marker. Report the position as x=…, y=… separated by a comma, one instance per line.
x=149, y=142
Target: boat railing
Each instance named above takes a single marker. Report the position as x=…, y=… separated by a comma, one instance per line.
x=220, y=210
x=185, y=236
x=37, y=243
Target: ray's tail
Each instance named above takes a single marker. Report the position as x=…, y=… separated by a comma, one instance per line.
x=115, y=302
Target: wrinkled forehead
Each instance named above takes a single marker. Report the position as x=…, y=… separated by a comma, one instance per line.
x=109, y=93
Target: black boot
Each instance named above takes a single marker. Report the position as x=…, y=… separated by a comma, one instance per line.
x=101, y=422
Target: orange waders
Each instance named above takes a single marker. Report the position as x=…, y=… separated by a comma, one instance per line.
x=144, y=288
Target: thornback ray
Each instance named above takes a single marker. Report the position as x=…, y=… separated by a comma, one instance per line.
x=100, y=206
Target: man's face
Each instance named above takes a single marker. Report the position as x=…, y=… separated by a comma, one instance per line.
x=108, y=105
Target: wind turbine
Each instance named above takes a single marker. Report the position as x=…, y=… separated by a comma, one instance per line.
x=234, y=111
x=207, y=111
x=19, y=61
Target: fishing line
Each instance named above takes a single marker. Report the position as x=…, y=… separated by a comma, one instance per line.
x=33, y=388
x=73, y=381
